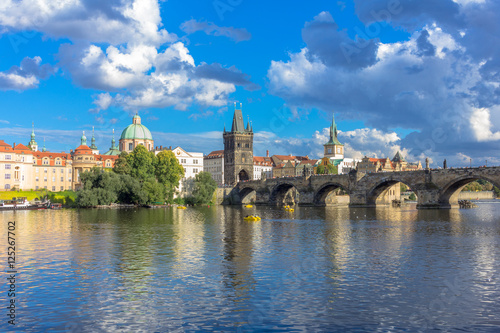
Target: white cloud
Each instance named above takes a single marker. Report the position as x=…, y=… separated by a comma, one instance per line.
x=481, y=125
x=114, y=21
x=26, y=76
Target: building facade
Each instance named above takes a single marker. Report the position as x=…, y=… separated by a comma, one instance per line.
x=193, y=165
x=214, y=163
x=262, y=167
x=238, y=150
x=16, y=167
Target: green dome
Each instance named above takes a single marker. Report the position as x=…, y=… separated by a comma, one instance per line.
x=136, y=131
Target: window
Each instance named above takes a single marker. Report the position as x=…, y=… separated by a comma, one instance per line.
x=195, y=170
x=329, y=150
x=69, y=179
x=7, y=186
x=7, y=166
x=247, y=145
x=53, y=179
x=238, y=145
x=62, y=188
x=8, y=157
x=45, y=187
x=53, y=188
x=45, y=179
x=62, y=179
x=7, y=176
x=36, y=187
x=58, y=161
x=36, y=178
x=22, y=178
x=183, y=160
x=195, y=161
x=62, y=170
x=339, y=150
x=45, y=170
x=36, y=170
x=53, y=170
x=130, y=146
x=45, y=161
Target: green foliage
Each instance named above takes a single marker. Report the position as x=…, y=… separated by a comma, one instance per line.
x=204, y=187
x=168, y=172
x=328, y=169
x=121, y=165
x=479, y=185
x=67, y=198
x=412, y=197
x=131, y=191
x=497, y=191
x=141, y=162
x=403, y=188
x=179, y=201
x=154, y=191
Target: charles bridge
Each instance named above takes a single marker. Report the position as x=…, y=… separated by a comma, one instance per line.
x=435, y=188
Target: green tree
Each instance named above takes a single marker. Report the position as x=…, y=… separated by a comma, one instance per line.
x=155, y=192
x=412, y=197
x=131, y=191
x=168, y=172
x=330, y=169
x=204, y=187
x=141, y=162
x=403, y=187
x=121, y=164
x=497, y=191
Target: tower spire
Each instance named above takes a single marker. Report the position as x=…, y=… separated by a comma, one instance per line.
x=32, y=144
x=44, y=149
x=84, y=139
x=93, y=146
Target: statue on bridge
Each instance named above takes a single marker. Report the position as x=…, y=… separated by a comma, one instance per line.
x=444, y=164
x=427, y=163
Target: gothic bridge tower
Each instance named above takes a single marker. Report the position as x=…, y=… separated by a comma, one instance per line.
x=238, y=150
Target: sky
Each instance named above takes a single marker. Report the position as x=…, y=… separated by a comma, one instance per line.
x=422, y=77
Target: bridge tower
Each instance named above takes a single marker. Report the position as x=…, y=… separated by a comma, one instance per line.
x=333, y=148
x=238, y=150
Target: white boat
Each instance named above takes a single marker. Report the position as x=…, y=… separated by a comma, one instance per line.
x=21, y=203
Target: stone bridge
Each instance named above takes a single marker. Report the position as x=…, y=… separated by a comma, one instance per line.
x=434, y=188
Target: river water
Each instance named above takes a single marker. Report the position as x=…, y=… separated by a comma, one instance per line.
x=205, y=269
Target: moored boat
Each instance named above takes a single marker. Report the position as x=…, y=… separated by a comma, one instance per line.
x=21, y=203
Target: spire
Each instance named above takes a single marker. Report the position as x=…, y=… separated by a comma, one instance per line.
x=333, y=133
x=44, y=149
x=84, y=139
x=32, y=144
x=238, y=125
x=93, y=146
x=224, y=128
x=248, y=124
x=113, y=142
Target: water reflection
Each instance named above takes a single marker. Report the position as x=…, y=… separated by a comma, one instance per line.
x=327, y=269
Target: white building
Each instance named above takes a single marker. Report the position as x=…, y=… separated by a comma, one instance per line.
x=16, y=167
x=347, y=164
x=262, y=166
x=192, y=164
x=214, y=163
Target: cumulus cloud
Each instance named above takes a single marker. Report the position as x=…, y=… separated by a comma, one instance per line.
x=431, y=83
x=120, y=48
x=115, y=22
x=210, y=28
x=26, y=76
x=140, y=77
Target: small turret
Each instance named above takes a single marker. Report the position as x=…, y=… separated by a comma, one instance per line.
x=84, y=139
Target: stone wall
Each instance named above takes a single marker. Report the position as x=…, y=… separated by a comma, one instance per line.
x=482, y=195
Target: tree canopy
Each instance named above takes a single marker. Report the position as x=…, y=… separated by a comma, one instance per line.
x=328, y=169
x=204, y=187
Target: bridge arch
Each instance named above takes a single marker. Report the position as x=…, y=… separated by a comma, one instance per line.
x=284, y=193
x=448, y=197
x=247, y=195
x=384, y=192
x=320, y=197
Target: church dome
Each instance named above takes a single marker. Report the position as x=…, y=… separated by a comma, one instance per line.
x=136, y=131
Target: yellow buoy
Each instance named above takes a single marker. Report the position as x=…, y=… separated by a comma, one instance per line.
x=181, y=207
x=248, y=206
x=252, y=218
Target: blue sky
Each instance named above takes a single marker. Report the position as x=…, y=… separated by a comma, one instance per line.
x=416, y=76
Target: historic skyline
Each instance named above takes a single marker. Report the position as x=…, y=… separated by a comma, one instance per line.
x=425, y=83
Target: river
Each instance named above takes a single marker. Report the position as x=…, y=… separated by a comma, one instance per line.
x=205, y=269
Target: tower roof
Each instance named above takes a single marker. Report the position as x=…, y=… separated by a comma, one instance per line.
x=398, y=157
x=333, y=134
x=238, y=123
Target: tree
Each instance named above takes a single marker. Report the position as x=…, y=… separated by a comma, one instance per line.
x=330, y=169
x=412, y=197
x=131, y=191
x=168, y=172
x=403, y=187
x=121, y=165
x=141, y=163
x=204, y=187
x=155, y=192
